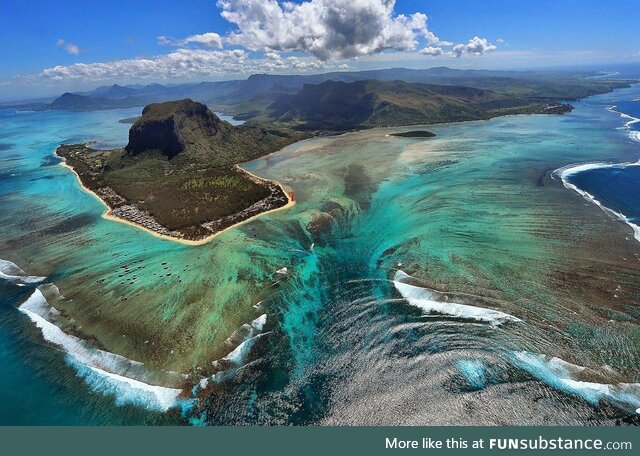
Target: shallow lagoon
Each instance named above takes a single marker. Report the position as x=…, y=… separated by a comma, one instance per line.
x=473, y=213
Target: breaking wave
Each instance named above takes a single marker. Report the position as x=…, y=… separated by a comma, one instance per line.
x=633, y=134
x=11, y=272
x=431, y=301
x=249, y=333
x=566, y=172
x=239, y=354
x=561, y=375
x=103, y=371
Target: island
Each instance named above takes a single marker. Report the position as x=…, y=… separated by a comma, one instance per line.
x=178, y=177
x=415, y=134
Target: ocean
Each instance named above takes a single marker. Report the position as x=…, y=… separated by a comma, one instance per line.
x=614, y=186
x=462, y=279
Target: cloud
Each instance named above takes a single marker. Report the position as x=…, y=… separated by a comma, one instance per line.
x=327, y=29
x=70, y=48
x=475, y=46
x=325, y=32
x=167, y=41
x=210, y=39
x=180, y=64
x=272, y=55
x=432, y=51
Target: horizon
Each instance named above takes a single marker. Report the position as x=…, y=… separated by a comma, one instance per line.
x=211, y=41
x=613, y=67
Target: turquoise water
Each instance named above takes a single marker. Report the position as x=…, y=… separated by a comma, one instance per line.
x=229, y=119
x=37, y=384
x=474, y=215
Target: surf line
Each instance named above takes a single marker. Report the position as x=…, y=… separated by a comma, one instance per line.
x=566, y=172
x=431, y=301
x=634, y=135
x=103, y=371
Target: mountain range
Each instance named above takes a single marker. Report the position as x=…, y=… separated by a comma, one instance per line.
x=263, y=98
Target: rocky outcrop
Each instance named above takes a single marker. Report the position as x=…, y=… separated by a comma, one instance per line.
x=174, y=127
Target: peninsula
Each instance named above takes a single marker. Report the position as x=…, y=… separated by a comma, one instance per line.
x=178, y=177
x=415, y=134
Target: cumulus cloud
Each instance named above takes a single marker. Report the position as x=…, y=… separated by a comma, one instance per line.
x=69, y=48
x=210, y=39
x=272, y=55
x=327, y=29
x=475, y=46
x=181, y=64
x=432, y=51
x=325, y=32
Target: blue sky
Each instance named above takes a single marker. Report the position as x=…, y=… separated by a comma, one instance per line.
x=118, y=41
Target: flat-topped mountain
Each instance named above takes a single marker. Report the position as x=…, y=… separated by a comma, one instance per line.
x=174, y=127
x=188, y=132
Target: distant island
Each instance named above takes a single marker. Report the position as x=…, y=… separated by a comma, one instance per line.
x=178, y=176
x=415, y=134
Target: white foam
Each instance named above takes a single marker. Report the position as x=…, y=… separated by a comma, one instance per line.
x=567, y=171
x=632, y=120
x=250, y=332
x=247, y=330
x=427, y=300
x=11, y=272
x=634, y=135
x=118, y=370
x=561, y=375
x=129, y=391
x=239, y=354
x=259, y=322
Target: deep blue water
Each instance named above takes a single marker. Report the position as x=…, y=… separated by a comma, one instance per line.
x=40, y=388
x=37, y=384
x=617, y=187
x=630, y=108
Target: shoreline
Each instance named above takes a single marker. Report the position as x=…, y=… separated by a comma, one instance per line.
x=102, y=286
x=108, y=214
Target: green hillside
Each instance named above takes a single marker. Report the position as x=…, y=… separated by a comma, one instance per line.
x=178, y=170
x=362, y=104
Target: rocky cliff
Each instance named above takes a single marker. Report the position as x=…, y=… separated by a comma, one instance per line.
x=187, y=132
x=174, y=127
